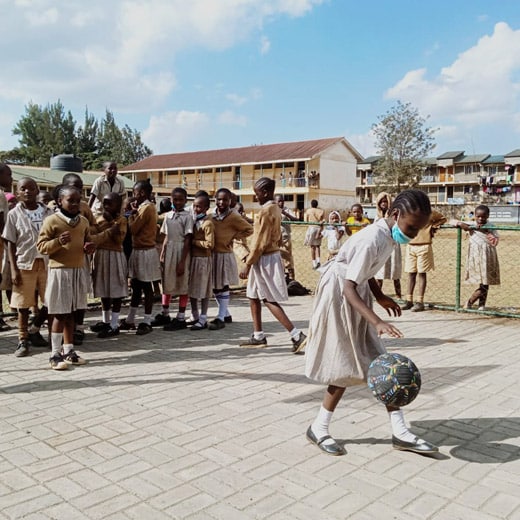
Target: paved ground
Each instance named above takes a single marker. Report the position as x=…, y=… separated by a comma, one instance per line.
x=188, y=425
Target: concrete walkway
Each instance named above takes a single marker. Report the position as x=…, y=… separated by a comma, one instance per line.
x=188, y=425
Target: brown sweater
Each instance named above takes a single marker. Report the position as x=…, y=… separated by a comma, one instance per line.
x=203, y=238
x=63, y=255
x=108, y=241
x=143, y=226
x=425, y=236
x=233, y=227
x=314, y=215
x=267, y=232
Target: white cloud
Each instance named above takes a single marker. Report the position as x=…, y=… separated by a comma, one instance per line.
x=236, y=99
x=230, y=118
x=480, y=88
x=363, y=143
x=103, y=53
x=172, y=131
x=265, y=45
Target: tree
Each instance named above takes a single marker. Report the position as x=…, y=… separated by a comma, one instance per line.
x=403, y=142
x=48, y=131
x=44, y=132
x=86, y=143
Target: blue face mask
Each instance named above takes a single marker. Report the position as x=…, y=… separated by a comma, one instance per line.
x=398, y=235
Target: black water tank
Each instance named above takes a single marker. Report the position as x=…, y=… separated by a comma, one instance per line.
x=67, y=163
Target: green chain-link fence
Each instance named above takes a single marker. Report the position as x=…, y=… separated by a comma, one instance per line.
x=446, y=288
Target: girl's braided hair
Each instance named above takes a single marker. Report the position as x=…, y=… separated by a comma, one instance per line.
x=412, y=201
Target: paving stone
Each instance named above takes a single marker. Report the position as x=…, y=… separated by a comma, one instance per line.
x=194, y=427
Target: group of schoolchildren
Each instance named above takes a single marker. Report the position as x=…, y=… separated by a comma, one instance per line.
x=62, y=252
x=195, y=261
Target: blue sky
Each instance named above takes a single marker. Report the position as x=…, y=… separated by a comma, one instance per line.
x=209, y=74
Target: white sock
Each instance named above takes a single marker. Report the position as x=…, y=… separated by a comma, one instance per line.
x=105, y=316
x=295, y=333
x=131, y=315
x=67, y=347
x=259, y=334
x=147, y=318
x=181, y=316
x=399, y=428
x=203, y=319
x=56, y=339
x=320, y=426
x=223, y=303
x=114, y=320
x=81, y=328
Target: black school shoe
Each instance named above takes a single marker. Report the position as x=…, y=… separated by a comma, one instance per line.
x=216, y=324
x=37, y=340
x=417, y=446
x=160, y=320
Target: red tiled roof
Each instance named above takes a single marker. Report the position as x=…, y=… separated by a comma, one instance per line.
x=247, y=154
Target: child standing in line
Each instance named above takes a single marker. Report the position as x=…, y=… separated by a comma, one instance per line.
x=344, y=331
x=264, y=269
x=110, y=272
x=109, y=182
x=143, y=265
x=201, y=276
x=393, y=266
x=65, y=237
x=28, y=266
x=313, y=233
x=229, y=226
x=333, y=233
x=177, y=229
x=73, y=179
x=6, y=183
x=419, y=262
x=356, y=221
x=482, y=265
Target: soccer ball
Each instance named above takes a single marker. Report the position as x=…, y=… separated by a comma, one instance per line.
x=394, y=379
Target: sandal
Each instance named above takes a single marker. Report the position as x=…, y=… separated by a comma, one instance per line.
x=199, y=326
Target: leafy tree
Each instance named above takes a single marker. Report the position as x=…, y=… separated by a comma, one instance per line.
x=403, y=141
x=122, y=145
x=44, y=132
x=87, y=142
x=48, y=131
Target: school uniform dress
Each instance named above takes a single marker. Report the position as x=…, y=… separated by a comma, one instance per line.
x=229, y=227
x=201, y=266
x=341, y=344
x=482, y=265
x=313, y=233
x=110, y=269
x=266, y=279
x=68, y=282
x=175, y=227
x=143, y=264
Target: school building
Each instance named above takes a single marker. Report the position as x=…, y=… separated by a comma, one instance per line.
x=455, y=178
x=323, y=169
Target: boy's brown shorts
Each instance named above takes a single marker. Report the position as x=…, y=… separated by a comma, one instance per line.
x=33, y=281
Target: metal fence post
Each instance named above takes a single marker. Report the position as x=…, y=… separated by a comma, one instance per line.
x=458, y=269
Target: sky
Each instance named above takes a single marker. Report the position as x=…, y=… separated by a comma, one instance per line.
x=211, y=74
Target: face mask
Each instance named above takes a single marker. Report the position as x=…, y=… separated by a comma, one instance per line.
x=398, y=235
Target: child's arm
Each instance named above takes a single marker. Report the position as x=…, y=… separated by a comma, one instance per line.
x=382, y=327
x=15, y=272
x=181, y=266
x=48, y=243
x=208, y=242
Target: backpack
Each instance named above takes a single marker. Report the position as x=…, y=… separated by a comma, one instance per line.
x=295, y=288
